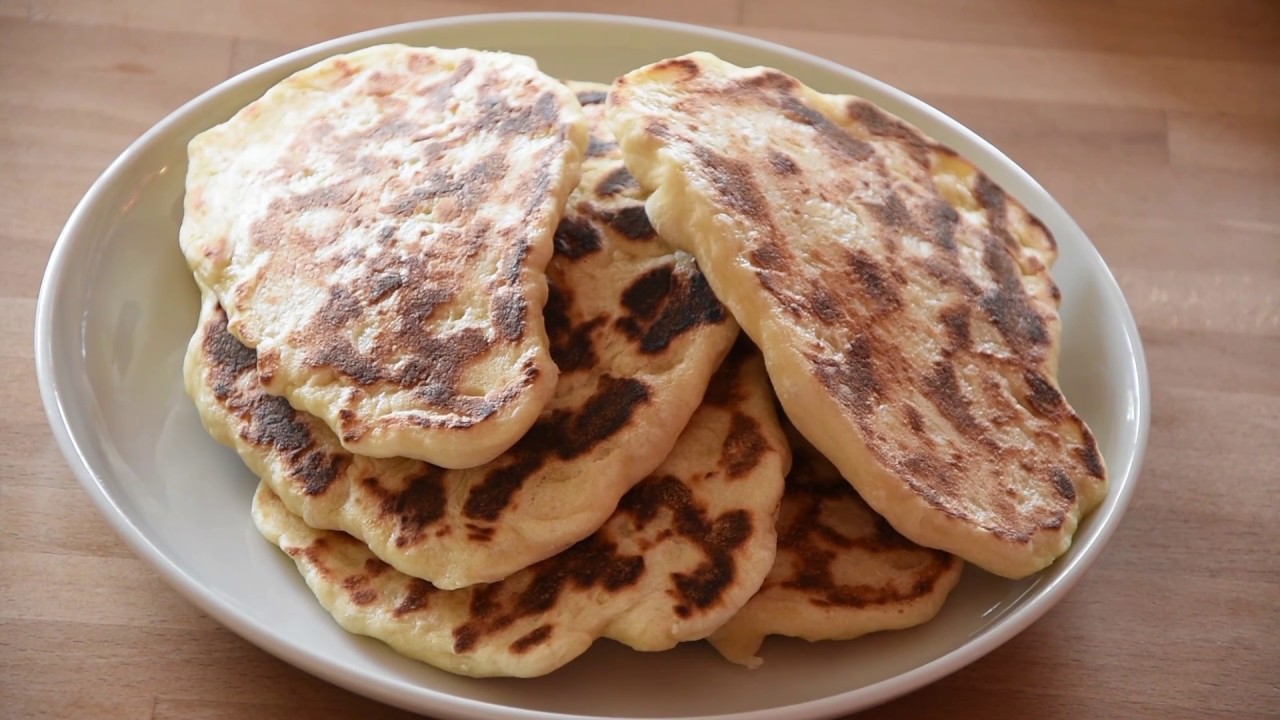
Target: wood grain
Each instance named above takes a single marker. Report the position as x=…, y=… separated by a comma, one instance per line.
x=1157, y=124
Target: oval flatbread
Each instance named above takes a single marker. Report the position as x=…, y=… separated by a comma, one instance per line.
x=684, y=550
x=376, y=227
x=901, y=298
x=637, y=335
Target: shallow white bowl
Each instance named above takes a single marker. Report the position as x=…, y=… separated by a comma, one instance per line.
x=117, y=307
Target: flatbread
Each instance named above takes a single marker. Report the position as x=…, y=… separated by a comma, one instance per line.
x=685, y=549
x=376, y=227
x=637, y=335
x=901, y=298
x=841, y=570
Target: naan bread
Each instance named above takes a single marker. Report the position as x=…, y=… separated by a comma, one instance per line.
x=841, y=570
x=377, y=226
x=637, y=335
x=902, y=300
x=685, y=549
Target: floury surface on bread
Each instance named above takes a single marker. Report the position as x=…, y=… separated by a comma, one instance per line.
x=902, y=299
x=841, y=571
x=637, y=335
x=377, y=226
x=684, y=550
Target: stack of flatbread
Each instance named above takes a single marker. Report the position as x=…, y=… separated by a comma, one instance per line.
x=522, y=362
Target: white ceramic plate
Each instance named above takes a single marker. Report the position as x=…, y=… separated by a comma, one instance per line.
x=117, y=307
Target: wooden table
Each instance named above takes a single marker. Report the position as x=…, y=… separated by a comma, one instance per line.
x=1156, y=123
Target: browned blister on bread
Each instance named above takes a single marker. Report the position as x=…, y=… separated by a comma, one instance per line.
x=377, y=227
x=901, y=298
x=683, y=551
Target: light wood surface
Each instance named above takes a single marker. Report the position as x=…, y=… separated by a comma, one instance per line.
x=1155, y=122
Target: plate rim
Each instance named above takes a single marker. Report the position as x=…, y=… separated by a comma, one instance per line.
x=415, y=697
